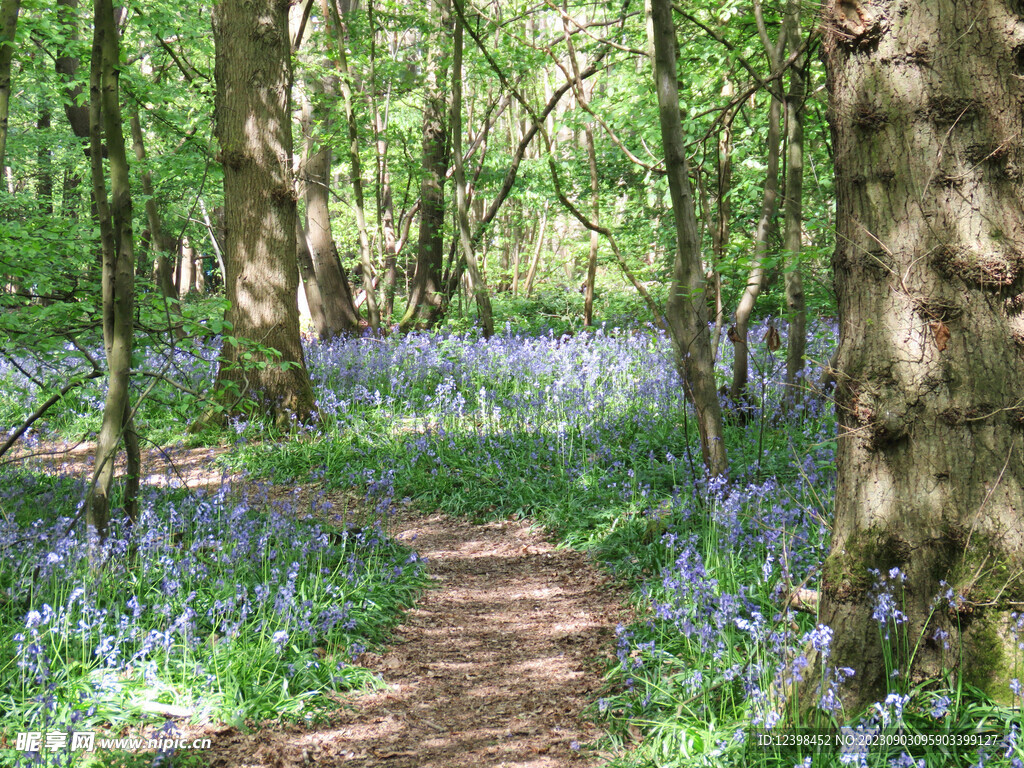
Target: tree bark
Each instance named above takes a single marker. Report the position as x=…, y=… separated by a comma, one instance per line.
x=67, y=66
x=340, y=311
x=186, y=269
x=355, y=163
x=310, y=284
x=595, y=192
x=253, y=76
x=477, y=279
x=538, y=248
x=427, y=299
x=8, y=27
x=687, y=307
x=388, y=237
x=44, y=157
x=769, y=206
x=723, y=219
x=118, y=273
x=164, y=263
x=793, y=237
x=927, y=115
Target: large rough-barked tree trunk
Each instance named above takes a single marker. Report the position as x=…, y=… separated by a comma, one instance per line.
x=253, y=73
x=927, y=113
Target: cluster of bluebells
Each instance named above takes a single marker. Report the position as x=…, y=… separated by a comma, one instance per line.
x=603, y=410
x=208, y=595
x=31, y=377
x=766, y=371
x=542, y=385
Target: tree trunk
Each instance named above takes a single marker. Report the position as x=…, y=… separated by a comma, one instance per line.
x=214, y=240
x=927, y=114
x=687, y=307
x=795, y=305
x=161, y=243
x=595, y=191
x=538, y=248
x=118, y=272
x=769, y=206
x=253, y=76
x=310, y=284
x=385, y=199
x=755, y=280
x=67, y=66
x=426, y=297
x=8, y=27
x=44, y=157
x=335, y=291
x=355, y=164
x=477, y=279
x=187, y=269
x=723, y=219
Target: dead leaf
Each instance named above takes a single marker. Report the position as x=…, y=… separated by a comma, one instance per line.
x=772, y=339
x=941, y=332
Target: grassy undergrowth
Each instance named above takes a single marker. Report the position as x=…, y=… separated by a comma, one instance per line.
x=590, y=436
x=232, y=606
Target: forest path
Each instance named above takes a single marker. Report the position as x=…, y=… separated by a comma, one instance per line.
x=490, y=669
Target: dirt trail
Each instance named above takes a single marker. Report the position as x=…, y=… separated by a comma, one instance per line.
x=491, y=668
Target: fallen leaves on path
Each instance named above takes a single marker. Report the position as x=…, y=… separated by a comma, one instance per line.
x=491, y=669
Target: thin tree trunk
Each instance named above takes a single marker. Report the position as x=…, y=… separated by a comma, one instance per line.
x=355, y=165
x=8, y=27
x=427, y=299
x=769, y=206
x=517, y=253
x=723, y=219
x=67, y=67
x=537, y=250
x=595, y=191
x=687, y=306
x=187, y=269
x=755, y=279
x=795, y=304
x=477, y=280
x=335, y=290
x=118, y=272
x=388, y=238
x=164, y=262
x=214, y=243
x=314, y=300
x=44, y=156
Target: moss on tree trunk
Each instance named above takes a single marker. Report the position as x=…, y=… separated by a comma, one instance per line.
x=927, y=114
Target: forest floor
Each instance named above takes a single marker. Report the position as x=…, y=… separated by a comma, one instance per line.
x=491, y=668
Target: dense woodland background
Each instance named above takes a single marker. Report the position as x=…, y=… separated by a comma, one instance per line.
x=571, y=260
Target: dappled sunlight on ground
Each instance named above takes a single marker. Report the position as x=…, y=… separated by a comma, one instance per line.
x=491, y=669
